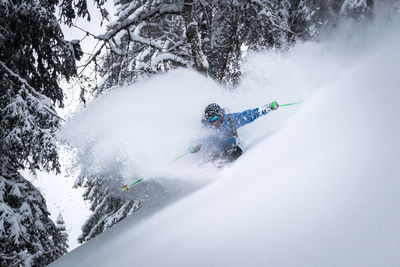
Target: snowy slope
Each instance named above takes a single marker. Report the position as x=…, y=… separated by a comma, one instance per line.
x=317, y=186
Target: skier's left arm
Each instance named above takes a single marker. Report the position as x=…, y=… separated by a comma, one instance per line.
x=194, y=148
x=242, y=118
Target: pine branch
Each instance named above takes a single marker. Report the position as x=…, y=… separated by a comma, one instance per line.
x=25, y=82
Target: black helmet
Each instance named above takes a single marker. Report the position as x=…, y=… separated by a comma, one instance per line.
x=212, y=110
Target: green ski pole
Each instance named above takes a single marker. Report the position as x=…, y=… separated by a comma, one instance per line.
x=126, y=187
x=290, y=104
x=184, y=154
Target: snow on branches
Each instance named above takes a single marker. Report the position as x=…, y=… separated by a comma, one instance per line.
x=209, y=36
x=27, y=235
x=108, y=207
x=34, y=56
x=149, y=37
x=29, y=123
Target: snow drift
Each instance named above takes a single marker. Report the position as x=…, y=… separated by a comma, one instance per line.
x=317, y=186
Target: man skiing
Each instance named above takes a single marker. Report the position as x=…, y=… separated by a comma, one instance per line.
x=221, y=139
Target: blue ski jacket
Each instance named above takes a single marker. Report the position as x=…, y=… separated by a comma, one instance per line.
x=219, y=139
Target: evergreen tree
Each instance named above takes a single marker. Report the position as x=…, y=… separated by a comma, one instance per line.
x=62, y=242
x=33, y=57
x=27, y=235
x=107, y=206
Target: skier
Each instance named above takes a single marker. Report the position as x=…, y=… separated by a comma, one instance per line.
x=221, y=138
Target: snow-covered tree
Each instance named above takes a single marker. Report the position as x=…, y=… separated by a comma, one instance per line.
x=150, y=44
x=27, y=235
x=356, y=8
x=34, y=56
x=329, y=12
x=108, y=207
x=155, y=36
x=62, y=242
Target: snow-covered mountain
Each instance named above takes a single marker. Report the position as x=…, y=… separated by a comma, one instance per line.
x=318, y=184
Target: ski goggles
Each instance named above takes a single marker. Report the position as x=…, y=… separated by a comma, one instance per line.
x=213, y=119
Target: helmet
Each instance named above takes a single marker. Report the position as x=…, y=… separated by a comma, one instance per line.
x=212, y=110
x=213, y=115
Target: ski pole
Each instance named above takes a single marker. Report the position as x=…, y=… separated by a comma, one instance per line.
x=192, y=149
x=284, y=105
x=180, y=156
x=126, y=187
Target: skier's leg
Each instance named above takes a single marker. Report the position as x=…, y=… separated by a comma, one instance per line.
x=233, y=153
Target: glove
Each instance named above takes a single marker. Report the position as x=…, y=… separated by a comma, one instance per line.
x=194, y=148
x=274, y=105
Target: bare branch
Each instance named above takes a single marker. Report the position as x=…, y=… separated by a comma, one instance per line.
x=141, y=16
x=87, y=32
